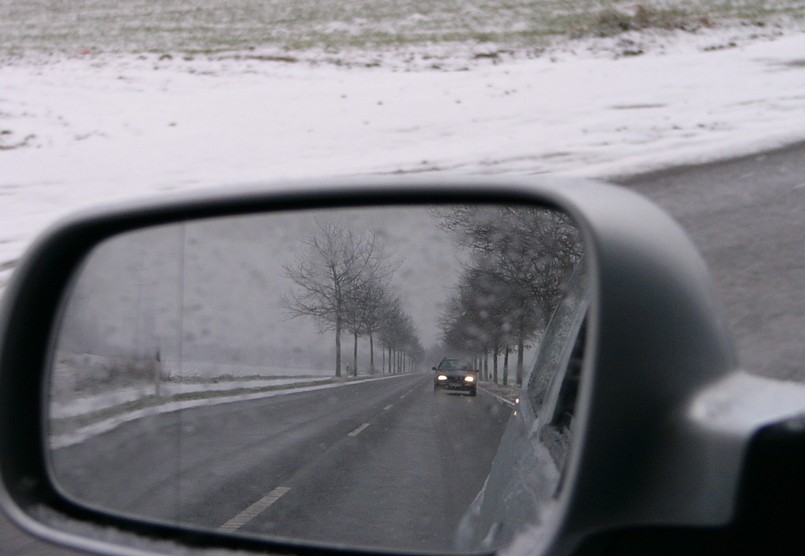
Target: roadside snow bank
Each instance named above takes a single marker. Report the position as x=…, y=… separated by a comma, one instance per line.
x=77, y=132
x=67, y=431
x=77, y=406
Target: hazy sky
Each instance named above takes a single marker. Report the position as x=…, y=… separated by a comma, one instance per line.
x=134, y=296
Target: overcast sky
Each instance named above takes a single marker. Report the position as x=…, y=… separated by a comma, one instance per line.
x=133, y=296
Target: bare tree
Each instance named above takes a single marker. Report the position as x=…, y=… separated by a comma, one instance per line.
x=376, y=301
x=365, y=312
x=398, y=335
x=333, y=267
x=480, y=316
x=528, y=253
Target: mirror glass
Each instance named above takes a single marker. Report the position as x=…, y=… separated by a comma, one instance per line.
x=273, y=374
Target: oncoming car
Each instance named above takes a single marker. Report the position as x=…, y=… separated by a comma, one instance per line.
x=455, y=374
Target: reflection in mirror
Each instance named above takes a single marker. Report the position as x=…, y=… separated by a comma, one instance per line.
x=530, y=468
x=270, y=374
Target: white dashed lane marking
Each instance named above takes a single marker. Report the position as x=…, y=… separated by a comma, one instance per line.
x=254, y=510
x=357, y=431
x=261, y=505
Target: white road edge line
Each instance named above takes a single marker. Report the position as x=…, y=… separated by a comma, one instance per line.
x=254, y=510
x=389, y=406
x=357, y=431
x=502, y=399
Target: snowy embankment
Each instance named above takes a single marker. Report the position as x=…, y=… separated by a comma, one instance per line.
x=76, y=406
x=81, y=418
x=91, y=394
x=80, y=131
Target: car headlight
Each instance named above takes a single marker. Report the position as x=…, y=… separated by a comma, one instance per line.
x=469, y=379
x=441, y=377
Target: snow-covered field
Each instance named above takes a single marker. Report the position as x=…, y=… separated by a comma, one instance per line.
x=77, y=131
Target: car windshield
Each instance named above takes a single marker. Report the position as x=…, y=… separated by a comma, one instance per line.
x=454, y=365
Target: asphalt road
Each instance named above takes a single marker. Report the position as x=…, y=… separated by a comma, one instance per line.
x=747, y=217
x=386, y=463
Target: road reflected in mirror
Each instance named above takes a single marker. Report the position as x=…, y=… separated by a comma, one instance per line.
x=332, y=376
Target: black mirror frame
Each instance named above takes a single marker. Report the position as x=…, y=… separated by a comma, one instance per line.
x=632, y=463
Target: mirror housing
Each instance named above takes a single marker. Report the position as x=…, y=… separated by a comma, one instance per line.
x=664, y=418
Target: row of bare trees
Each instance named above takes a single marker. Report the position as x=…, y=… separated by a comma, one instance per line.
x=519, y=260
x=399, y=338
x=342, y=279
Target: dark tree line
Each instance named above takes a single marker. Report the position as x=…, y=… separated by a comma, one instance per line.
x=342, y=280
x=399, y=338
x=520, y=259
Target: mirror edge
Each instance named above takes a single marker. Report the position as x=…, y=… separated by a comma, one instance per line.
x=31, y=304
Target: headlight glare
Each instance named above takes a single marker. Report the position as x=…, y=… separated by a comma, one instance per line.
x=441, y=377
x=469, y=379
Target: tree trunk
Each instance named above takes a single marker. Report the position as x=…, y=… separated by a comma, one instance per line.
x=506, y=366
x=371, y=354
x=495, y=364
x=338, y=346
x=157, y=374
x=355, y=354
x=520, y=349
x=486, y=363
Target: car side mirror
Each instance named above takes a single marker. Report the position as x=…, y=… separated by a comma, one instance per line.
x=634, y=416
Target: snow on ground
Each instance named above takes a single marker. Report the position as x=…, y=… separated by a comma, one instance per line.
x=79, y=131
x=84, y=406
